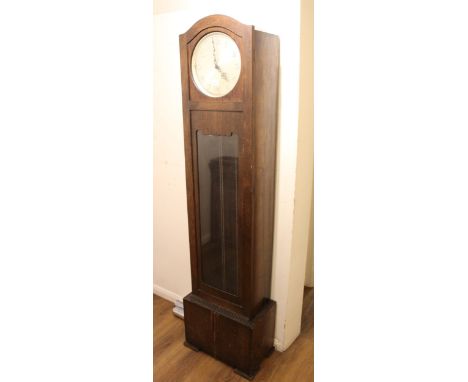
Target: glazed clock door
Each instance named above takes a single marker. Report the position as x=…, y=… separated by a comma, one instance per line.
x=217, y=143
x=218, y=208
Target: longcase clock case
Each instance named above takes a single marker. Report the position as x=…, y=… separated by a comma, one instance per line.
x=230, y=152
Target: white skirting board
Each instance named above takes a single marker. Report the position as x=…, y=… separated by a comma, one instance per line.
x=166, y=294
x=170, y=296
x=178, y=309
x=278, y=346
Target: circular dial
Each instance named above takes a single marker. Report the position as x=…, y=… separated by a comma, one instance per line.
x=216, y=64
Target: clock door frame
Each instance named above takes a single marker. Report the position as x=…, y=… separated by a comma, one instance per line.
x=217, y=113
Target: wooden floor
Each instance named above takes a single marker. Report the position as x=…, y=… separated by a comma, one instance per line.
x=173, y=362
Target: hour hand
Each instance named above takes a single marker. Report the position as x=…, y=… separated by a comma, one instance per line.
x=223, y=75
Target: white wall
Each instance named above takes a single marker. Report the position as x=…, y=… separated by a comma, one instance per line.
x=306, y=121
x=171, y=247
x=309, y=273
x=304, y=178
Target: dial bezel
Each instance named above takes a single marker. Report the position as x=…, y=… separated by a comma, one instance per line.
x=194, y=75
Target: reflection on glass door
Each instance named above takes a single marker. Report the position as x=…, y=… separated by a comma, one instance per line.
x=217, y=180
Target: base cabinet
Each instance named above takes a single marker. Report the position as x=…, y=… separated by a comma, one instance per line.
x=231, y=338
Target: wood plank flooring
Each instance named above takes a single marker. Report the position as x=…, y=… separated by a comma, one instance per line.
x=173, y=362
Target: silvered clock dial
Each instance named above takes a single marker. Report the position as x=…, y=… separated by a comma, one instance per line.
x=216, y=64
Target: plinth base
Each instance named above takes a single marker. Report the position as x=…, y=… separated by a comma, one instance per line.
x=237, y=341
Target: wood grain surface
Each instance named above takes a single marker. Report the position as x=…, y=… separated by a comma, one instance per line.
x=173, y=362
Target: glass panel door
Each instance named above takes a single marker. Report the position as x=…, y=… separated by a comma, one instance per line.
x=218, y=196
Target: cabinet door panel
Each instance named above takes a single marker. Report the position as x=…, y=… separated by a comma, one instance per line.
x=199, y=326
x=232, y=342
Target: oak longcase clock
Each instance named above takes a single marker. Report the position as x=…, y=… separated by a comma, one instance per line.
x=229, y=77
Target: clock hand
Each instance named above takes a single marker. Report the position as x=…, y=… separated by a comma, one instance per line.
x=214, y=54
x=223, y=75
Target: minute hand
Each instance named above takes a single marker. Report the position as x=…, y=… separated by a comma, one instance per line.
x=223, y=75
x=214, y=54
